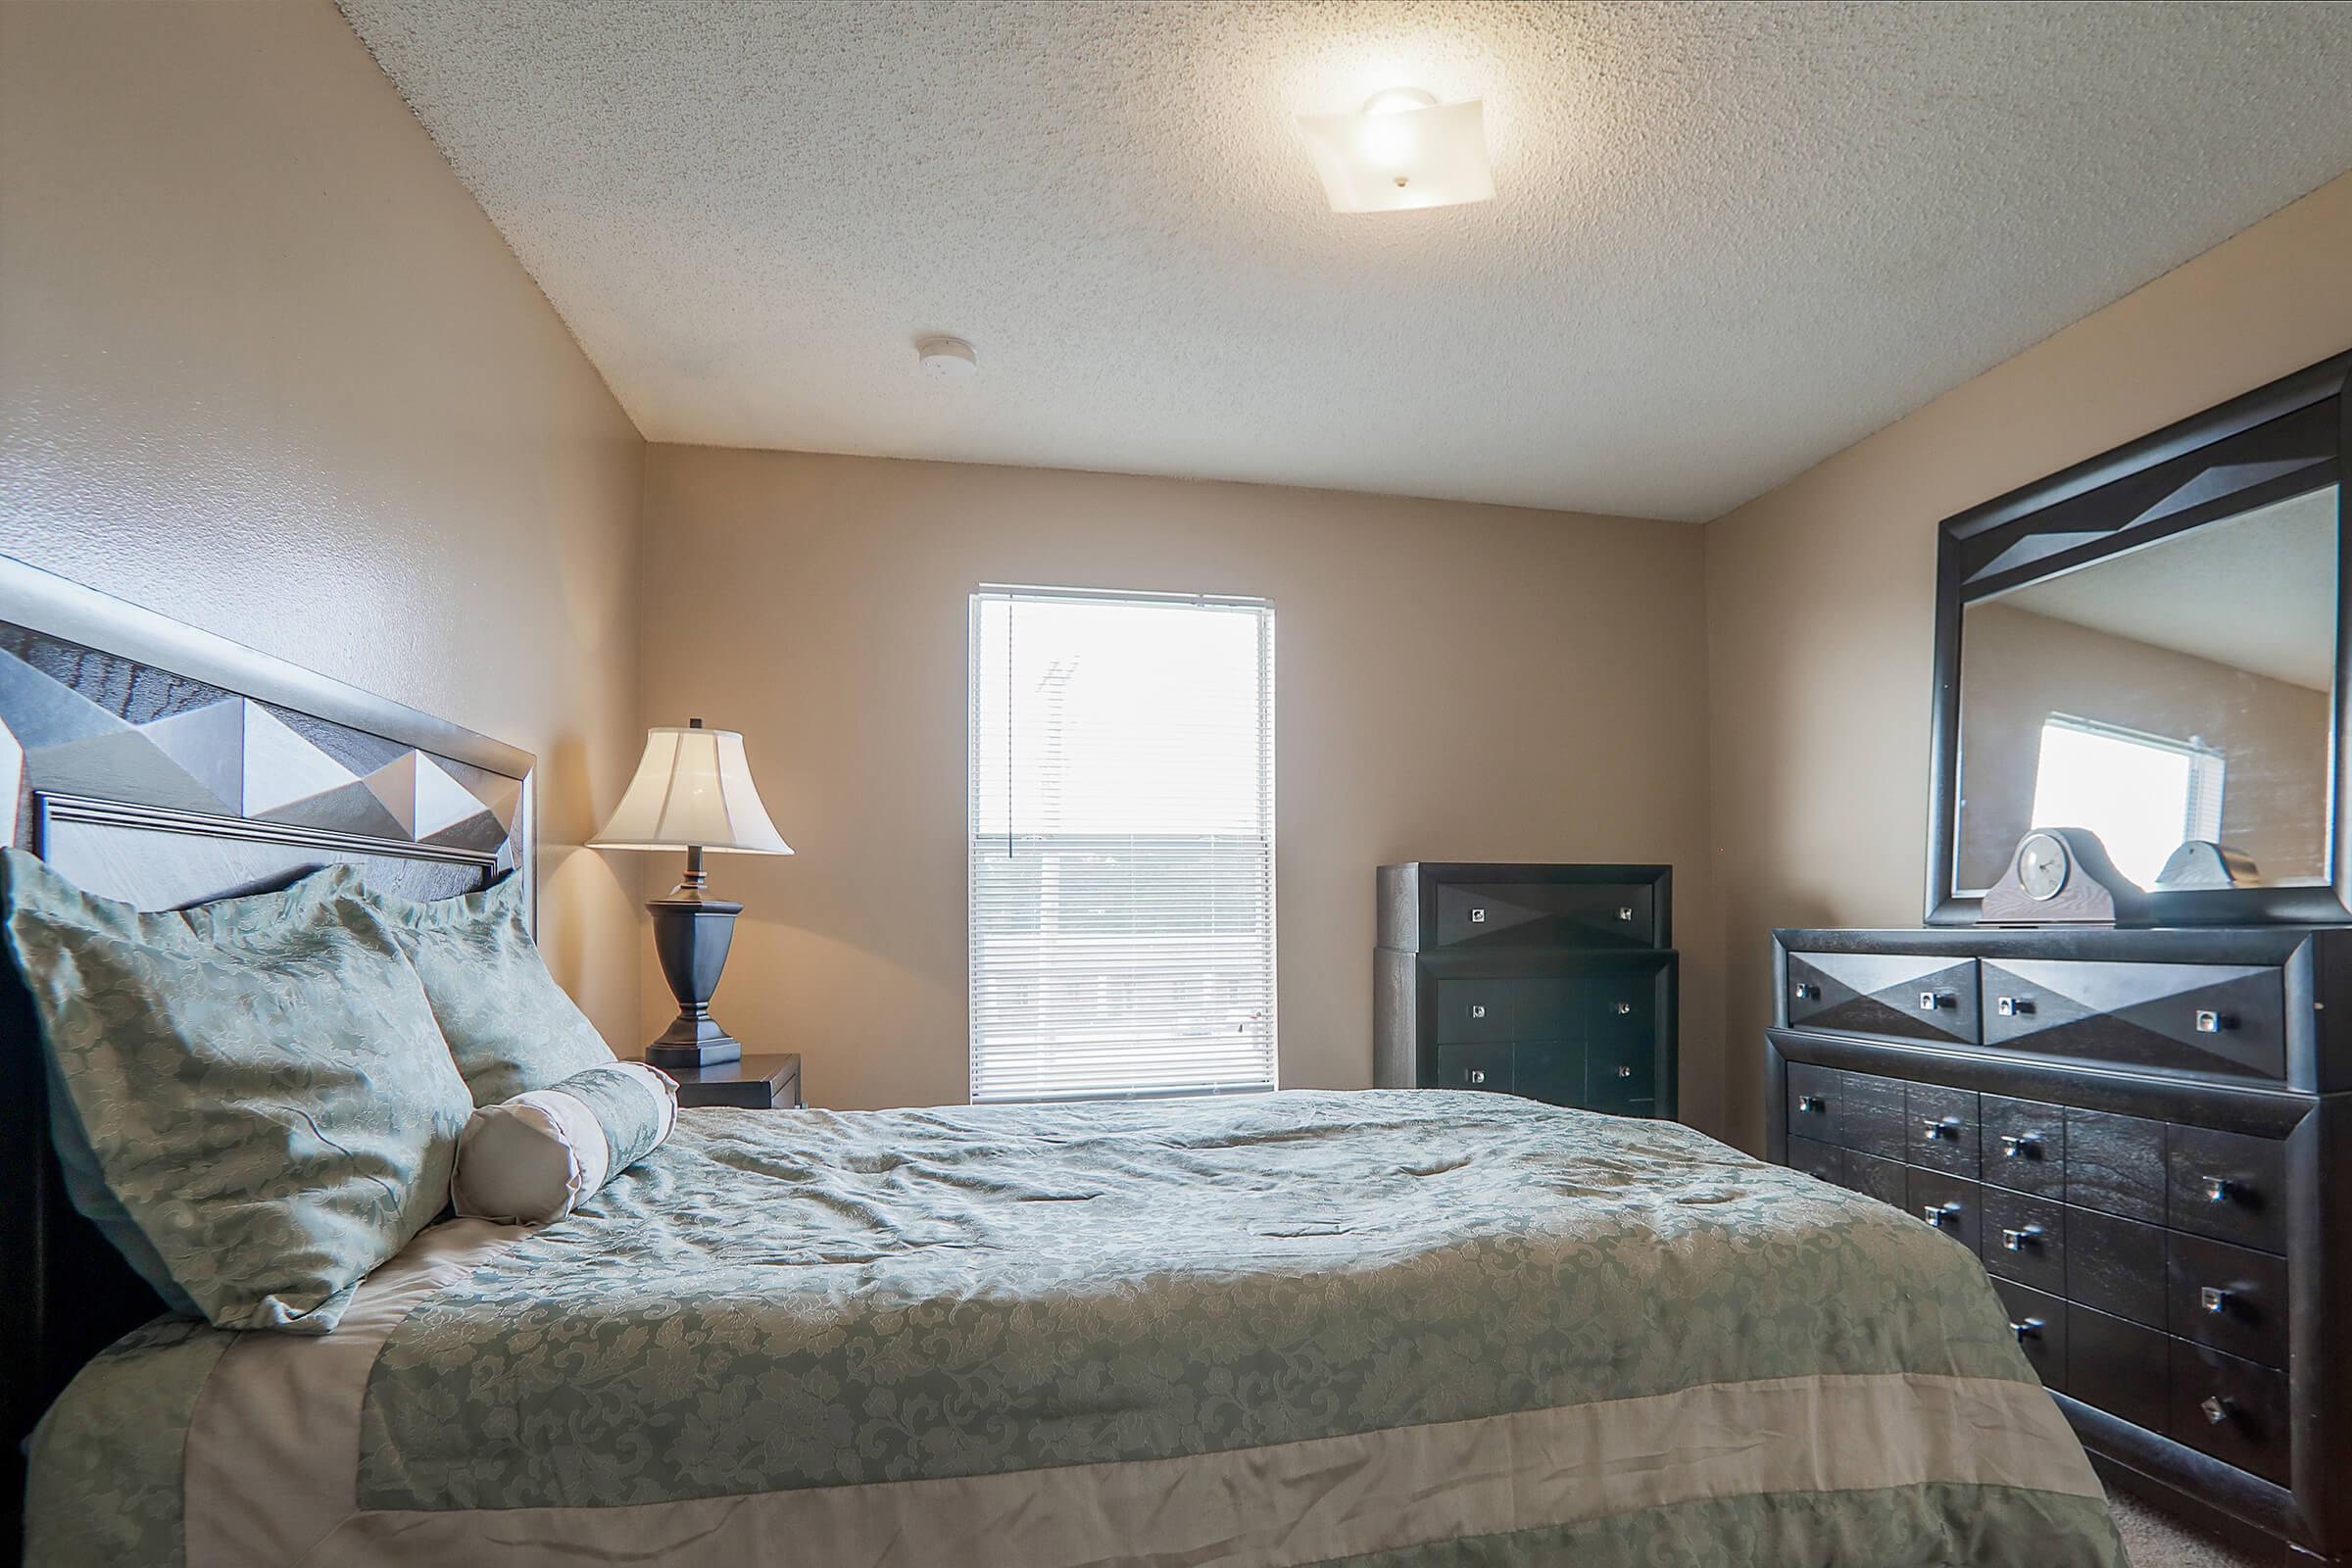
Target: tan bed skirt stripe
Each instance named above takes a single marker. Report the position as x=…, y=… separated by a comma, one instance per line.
x=272, y=1462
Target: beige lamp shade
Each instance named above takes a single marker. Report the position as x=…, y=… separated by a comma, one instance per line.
x=693, y=790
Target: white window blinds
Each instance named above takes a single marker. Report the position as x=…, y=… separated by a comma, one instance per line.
x=1121, y=825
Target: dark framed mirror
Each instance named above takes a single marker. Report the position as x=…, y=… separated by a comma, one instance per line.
x=2152, y=646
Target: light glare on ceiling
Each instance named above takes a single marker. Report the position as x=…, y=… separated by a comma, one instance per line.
x=1402, y=150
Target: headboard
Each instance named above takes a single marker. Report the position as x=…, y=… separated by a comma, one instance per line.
x=163, y=765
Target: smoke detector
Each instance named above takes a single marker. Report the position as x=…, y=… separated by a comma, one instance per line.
x=949, y=358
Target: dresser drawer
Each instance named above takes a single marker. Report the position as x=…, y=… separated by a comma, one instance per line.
x=2023, y=1145
x=1621, y=1072
x=2230, y=1298
x=1474, y=1066
x=2115, y=1164
x=1550, y=1070
x=2025, y=1238
x=1817, y=1103
x=1825, y=1162
x=2116, y=1266
x=1901, y=998
x=1942, y=1125
x=2233, y=1409
x=2228, y=1019
x=2038, y=1320
x=1951, y=1204
x=2229, y=1186
x=1477, y=1009
x=1873, y=1116
x=1886, y=1179
x=1544, y=914
x=2121, y=1367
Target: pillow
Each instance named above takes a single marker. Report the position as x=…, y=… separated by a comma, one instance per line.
x=507, y=1024
x=536, y=1157
x=258, y=1082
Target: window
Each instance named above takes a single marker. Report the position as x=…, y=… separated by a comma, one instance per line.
x=1121, y=826
x=2142, y=795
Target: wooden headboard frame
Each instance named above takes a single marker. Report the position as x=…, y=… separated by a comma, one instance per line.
x=164, y=766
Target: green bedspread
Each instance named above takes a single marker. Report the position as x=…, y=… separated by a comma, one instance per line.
x=776, y=1303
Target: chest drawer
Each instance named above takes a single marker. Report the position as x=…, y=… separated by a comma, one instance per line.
x=1881, y=1179
x=2115, y=1164
x=1951, y=1204
x=2229, y=1186
x=2025, y=1238
x=2023, y=1145
x=1943, y=1125
x=1474, y=1067
x=2116, y=1266
x=1824, y=1162
x=1899, y=997
x=1471, y=1010
x=1551, y=1071
x=2231, y=1408
x=2230, y=1298
x=2038, y=1320
x=2225, y=1019
x=1543, y=914
x=2121, y=1367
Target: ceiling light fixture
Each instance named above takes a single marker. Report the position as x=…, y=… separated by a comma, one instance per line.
x=950, y=359
x=1404, y=149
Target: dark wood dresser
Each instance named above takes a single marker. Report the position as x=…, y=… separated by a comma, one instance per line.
x=2144, y=1134
x=1557, y=982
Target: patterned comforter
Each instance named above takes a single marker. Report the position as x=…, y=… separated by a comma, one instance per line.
x=1396, y=1328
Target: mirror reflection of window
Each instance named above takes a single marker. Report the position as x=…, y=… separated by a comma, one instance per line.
x=2143, y=795
x=2223, y=632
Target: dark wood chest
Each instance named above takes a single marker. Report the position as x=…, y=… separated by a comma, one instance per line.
x=1557, y=982
x=2143, y=1136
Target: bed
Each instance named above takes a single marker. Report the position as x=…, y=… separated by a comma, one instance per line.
x=1402, y=1328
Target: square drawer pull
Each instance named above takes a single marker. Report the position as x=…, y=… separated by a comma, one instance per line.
x=2216, y=1408
x=1478, y=1009
x=1623, y=1007
x=1937, y=1213
x=2211, y=1299
x=1804, y=991
x=1931, y=1128
x=2026, y=1328
x=1625, y=1072
x=2019, y=1241
x=1625, y=911
x=1813, y=1104
x=2013, y=1006
x=2210, y=1024
x=2219, y=1190
x=1478, y=918
x=2019, y=1146
x=1478, y=1075
x=1930, y=1001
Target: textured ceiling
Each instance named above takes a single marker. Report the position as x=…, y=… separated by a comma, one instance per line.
x=1728, y=239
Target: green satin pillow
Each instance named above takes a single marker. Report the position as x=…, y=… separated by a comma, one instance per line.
x=258, y=1082
x=508, y=1025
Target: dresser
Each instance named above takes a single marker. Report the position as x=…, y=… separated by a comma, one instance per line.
x=2146, y=1138
x=1557, y=982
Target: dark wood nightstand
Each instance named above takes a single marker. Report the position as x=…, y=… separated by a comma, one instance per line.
x=754, y=1083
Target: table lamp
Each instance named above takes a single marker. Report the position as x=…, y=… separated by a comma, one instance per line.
x=693, y=792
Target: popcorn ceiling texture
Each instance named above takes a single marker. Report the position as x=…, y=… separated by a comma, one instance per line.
x=1730, y=238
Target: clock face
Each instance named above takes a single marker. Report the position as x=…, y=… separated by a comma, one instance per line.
x=2043, y=865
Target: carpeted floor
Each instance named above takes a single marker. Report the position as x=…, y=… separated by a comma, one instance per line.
x=2158, y=1540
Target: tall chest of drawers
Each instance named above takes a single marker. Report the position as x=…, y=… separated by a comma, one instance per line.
x=2146, y=1138
x=1556, y=982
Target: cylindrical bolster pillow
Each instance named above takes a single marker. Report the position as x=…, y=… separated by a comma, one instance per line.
x=534, y=1158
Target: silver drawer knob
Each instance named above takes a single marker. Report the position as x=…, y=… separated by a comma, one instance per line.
x=1478, y=1075
x=1929, y=1001
x=2020, y=1145
x=2019, y=1241
x=1938, y=1213
x=2219, y=1190
x=2210, y=1300
x=1625, y=911
x=1478, y=918
x=1478, y=1009
x=2209, y=1024
x=2013, y=1006
x=2026, y=1328
x=2216, y=1408
x=1931, y=1128
x=1623, y=1007
x=1803, y=992
x=1625, y=1072
x=1812, y=1103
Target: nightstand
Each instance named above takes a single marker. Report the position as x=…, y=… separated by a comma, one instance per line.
x=754, y=1083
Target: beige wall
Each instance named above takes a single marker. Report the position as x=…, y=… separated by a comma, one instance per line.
x=1455, y=682
x=1819, y=595
x=265, y=367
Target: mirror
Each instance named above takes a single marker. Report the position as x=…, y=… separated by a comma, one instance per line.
x=2177, y=690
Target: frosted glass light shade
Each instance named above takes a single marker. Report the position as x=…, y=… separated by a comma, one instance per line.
x=1401, y=157
x=693, y=789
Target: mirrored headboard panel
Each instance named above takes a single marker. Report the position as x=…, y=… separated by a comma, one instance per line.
x=2150, y=646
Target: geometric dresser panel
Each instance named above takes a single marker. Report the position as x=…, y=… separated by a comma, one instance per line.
x=1901, y=995
x=2191, y=1017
